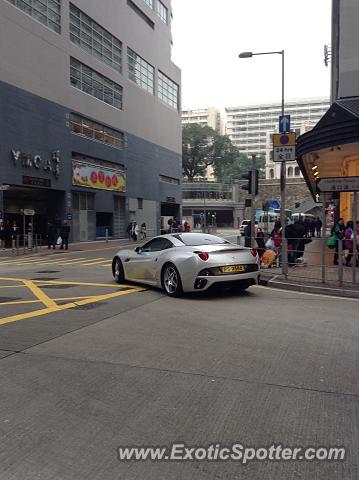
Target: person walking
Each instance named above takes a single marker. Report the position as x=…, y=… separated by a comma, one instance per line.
x=2, y=236
x=129, y=230
x=299, y=229
x=348, y=243
x=136, y=231
x=312, y=226
x=338, y=231
x=64, y=234
x=50, y=235
x=290, y=234
x=14, y=234
x=260, y=242
x=318, y=227
x=247, y=234
x=143, y=231
x=306, y=227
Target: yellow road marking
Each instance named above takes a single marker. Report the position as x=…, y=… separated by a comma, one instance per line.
x=79, y=261
x=20, y=302
x=47, y=301
x=55, y=282
x=12, y=286
x=45, y=311
x=95, y=263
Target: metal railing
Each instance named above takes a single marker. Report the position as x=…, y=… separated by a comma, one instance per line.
x=21, y=245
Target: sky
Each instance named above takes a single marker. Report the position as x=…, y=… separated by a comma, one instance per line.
x=208, y=35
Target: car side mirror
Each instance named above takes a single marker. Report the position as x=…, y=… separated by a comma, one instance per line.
x=138, y=250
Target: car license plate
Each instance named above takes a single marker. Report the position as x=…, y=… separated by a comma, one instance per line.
x=233, y=269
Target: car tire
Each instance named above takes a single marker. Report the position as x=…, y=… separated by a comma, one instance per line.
x=171, y=281
x=118, y=272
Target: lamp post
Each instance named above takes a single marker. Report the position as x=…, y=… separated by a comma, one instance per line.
x=283, y=165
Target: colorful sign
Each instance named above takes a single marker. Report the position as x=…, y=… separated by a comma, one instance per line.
x=95, y=176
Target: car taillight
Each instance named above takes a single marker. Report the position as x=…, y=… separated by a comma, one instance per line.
x=253, y=252
x=203, y=255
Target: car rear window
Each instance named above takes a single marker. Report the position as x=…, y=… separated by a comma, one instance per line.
x=194, y=239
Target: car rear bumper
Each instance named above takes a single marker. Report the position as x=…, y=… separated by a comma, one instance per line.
x=203, y=283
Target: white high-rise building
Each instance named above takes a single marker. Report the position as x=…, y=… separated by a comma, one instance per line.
x=248, y=126
x=210, y=117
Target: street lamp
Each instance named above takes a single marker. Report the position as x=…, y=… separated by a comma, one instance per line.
x=283, y=165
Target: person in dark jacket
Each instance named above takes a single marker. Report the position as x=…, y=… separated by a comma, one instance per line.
x=291, y=234
x=260, y=242
x=247, y=234
x=300, y=241
x=2, y=235
x=318, y=227
x=64, y=234
x=338, y=231
x=50, y=234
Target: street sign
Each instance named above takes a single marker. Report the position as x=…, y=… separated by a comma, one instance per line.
x=28, y=212
x=284, y=123
x=284, y=139
x=338, y=184
x=4, y=187
x=284, y=147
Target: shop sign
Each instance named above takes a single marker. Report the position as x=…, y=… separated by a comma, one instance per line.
x=95, y=176
x=37, y=162
x=36, y=182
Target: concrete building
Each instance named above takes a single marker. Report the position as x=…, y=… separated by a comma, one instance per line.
x=248, y=126
x=210, y=117
x=90, y=114
x=331, y=149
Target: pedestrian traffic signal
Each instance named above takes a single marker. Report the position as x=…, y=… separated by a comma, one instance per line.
x=249, y=187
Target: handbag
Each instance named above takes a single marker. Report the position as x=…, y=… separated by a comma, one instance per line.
x=59, y=240
x=270, y=244
x=332, y=241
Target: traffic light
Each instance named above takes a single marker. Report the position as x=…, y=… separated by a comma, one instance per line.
x=249, y=187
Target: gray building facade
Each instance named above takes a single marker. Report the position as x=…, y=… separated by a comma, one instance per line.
x=90, y=114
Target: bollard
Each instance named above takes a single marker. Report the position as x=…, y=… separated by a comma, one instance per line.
x=106, y=233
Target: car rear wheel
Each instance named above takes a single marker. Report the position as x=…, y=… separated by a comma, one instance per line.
x=171, y=281
x=118, y=272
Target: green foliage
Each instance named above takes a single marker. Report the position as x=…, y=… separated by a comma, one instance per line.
x=202, y=147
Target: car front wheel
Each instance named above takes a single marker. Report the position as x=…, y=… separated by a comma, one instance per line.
x=118, y=272
x=171, y=281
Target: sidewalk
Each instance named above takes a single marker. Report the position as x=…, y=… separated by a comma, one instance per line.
x=307, y=277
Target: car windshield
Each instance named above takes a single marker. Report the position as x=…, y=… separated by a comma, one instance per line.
x=194, y=239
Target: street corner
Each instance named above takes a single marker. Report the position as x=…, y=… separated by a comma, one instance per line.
x=22, y=299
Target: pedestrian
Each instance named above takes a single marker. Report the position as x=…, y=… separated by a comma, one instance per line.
x=247, y=234
x=64, y=234
x=129, y=230
x=2, y=236
x=348, y=243
x=338, y=231
x=143, y=231
x=306, y=227
x=14, y=234
x=292, y=242
x=276, y=235
x=188, y=227
x=312, y=226
x=318, y=227
x=136, y=231
x=299, y=228
x=50, y=235
x=260, y=242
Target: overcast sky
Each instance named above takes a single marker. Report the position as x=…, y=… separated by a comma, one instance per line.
x=208, y=35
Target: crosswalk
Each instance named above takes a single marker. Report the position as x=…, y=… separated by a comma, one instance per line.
x=63, y=261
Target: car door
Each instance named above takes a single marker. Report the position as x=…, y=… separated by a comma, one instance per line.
x=139, y=266
x=154, y=263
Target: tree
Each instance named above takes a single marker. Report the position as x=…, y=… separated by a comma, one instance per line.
x=197, y=150
x=231, y=168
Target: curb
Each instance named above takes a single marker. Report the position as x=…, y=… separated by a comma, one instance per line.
x=319, y=290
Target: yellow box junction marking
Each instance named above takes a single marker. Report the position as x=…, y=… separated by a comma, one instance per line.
x=50, y=305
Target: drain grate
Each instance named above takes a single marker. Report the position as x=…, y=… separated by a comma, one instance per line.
x=45, y=278
x=60, y=287
x=49, y=271
x=90, y=306
x=9, y=299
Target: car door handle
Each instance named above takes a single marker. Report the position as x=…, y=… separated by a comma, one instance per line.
x=127, y=259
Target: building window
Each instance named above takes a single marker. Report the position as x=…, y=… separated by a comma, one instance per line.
x=140, y=203
x=297, y=171
x=290, y=172
x=141, y=14
x=149, y=3
x=48, y=12
x=140, y=72
x=165, y=179
x=271, y=173
x=92, y=38
x=95, y=84
x=96, y=131
x=167, y=90
x=162, y=11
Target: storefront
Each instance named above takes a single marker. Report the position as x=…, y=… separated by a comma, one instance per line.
x=331, y=149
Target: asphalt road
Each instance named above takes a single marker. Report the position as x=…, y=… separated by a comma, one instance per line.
x=87, y=366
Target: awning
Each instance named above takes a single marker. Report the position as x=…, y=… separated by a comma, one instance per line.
x=331, y=144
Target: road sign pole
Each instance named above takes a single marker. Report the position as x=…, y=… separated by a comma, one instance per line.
x=283, y=193
x=253, y=197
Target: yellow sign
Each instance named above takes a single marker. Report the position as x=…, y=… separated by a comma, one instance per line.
x=284, y=139
x=95, y=176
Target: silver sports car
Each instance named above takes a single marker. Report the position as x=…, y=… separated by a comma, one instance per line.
x=187, y=262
